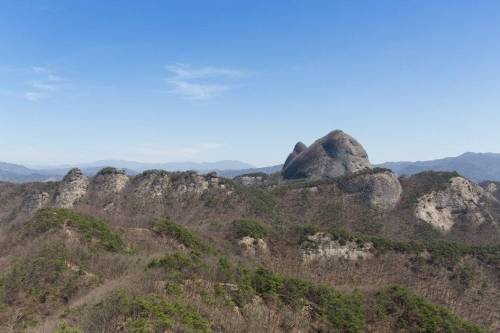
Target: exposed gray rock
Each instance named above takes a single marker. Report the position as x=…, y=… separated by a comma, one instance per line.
x=35, y=201
x=152, y=184
x=336, y=154
x=253, y=247
x=72, y=188
x=461, y=198
x=258, y=179
x=299, y=148
x=492, y=188
x=110, y=181
x=157, y=184
x=381, y=190
x=321, y=246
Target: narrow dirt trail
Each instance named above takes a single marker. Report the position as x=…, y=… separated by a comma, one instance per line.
x=49, y=324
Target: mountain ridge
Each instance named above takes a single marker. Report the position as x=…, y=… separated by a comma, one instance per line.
x=475, y=166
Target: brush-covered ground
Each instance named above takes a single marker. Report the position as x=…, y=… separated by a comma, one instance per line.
x=238, y=263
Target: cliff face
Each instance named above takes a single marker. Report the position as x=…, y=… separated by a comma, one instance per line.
x=460, y=199
x=72, y=188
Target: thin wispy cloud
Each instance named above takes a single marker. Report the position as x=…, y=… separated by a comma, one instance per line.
x=200, y=83
x=34, y=83
x=43, y=86
x=32, y=96
x=39, y=70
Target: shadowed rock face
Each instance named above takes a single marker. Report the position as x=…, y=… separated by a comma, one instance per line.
x=381, y=190
x=335, y=155
x=299, y=148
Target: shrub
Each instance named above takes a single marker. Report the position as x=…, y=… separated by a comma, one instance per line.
x=147, y=313
x=250, y=228
x=265, y=282
x=343, y=312
x=262, y=202
x=417, y=315
x=110, y=171
x=178, y=232
x=444, y=253
x=89, y=227
x=177, y=261
x=66, y=328
x=305, y=230
x=41, y=277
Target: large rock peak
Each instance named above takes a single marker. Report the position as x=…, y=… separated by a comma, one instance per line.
x=334, y=155
x=73, y=187
x=299, y=148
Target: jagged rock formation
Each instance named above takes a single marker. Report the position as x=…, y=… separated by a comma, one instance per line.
x=381, y=190
x=460, y=199
x=321, y=246
x=106, y=186
x=110, y=181
x=72, y=188
x=157, y=183
x=336, y=154
x=253, y=247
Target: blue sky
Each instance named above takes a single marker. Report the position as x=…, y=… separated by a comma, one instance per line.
x=209, y=80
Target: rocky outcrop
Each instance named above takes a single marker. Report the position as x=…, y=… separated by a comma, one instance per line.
x=380, y=190
x=157, y=184
x=321, y=246
x=72, y=188
x=105, y=188
x=35, y=201
x=258, y=179
x=110, y=181
x=492, y=188
x=336, y=154
x=461, y=199
x=253, y=247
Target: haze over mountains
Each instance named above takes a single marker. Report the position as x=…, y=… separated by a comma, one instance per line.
x=475, y=166
x=20, y=173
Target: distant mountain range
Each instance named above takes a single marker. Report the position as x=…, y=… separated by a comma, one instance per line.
x=21, y=174
x=475, y=166
x=238, y=172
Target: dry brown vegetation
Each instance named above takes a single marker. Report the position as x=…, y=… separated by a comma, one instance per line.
x=173, y=264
